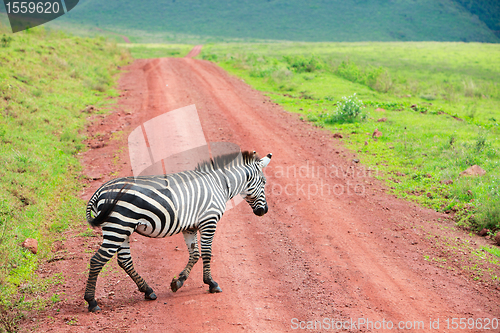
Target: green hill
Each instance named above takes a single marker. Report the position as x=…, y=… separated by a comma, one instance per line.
x=294, y=20
x=486, y=10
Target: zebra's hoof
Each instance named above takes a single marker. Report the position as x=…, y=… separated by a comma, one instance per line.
x=151, y=296
x=95, y=308
x=176, y=285
x=215, y=289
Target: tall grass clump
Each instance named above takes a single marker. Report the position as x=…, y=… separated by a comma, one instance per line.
x=41, y=121
x=488, y=216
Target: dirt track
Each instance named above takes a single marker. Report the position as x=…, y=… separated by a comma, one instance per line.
x=354, y=253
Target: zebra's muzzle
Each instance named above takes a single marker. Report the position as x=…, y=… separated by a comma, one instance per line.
x=260, y=211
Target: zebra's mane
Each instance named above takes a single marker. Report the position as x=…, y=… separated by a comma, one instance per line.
x=221, y=161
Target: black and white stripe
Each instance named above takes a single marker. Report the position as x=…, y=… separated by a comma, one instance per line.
x=165, y=205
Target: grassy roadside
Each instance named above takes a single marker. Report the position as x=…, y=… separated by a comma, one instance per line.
x=46, y=80
x=436, y=104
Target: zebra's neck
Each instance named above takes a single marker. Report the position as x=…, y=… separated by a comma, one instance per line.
x=232, y=180
x=231, y=172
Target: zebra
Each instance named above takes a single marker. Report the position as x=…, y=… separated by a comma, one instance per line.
x=164, y=205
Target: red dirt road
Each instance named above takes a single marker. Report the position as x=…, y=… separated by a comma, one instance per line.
x=355, y=252
x=194, y=51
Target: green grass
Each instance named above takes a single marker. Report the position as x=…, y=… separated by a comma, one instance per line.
x=493, y=250
x=437, y=124
x=147, y=51
x=459, y=78
x=46, y=80
x=196, y=21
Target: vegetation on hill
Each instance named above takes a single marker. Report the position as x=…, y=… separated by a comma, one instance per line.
x=191, y=21
x=487, y=11
x=46, y=80
x=436, y=104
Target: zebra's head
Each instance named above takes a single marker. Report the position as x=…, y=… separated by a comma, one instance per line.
x=255, y=195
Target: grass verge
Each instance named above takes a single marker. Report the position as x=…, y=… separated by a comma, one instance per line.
x=46, y=80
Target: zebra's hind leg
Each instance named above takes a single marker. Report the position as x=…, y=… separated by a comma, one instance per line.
x=191, y=239
x=105, y=252
x=125, y=262
x=206, y=237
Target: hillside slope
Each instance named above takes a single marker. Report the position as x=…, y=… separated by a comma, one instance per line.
x=296, y=20
x=487, y=11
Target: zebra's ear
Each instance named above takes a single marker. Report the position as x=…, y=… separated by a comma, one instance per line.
x=265, y=160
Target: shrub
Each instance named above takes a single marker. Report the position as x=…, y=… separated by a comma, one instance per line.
x=348, y=111
x=350, y=71
x=488, y=215
x=5, y=41
x=349, y=107
x=302, y=64
x=380, y=80
x=281, y=74
x=210, y=57
x=377, y=78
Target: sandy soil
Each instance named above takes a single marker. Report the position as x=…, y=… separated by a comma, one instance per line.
x=354, y=252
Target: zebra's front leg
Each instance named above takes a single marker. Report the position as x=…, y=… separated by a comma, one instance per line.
x=125, y=262
x=206, y=238
x=191, y=239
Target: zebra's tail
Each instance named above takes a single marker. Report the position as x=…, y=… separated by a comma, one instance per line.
x=110, y=201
